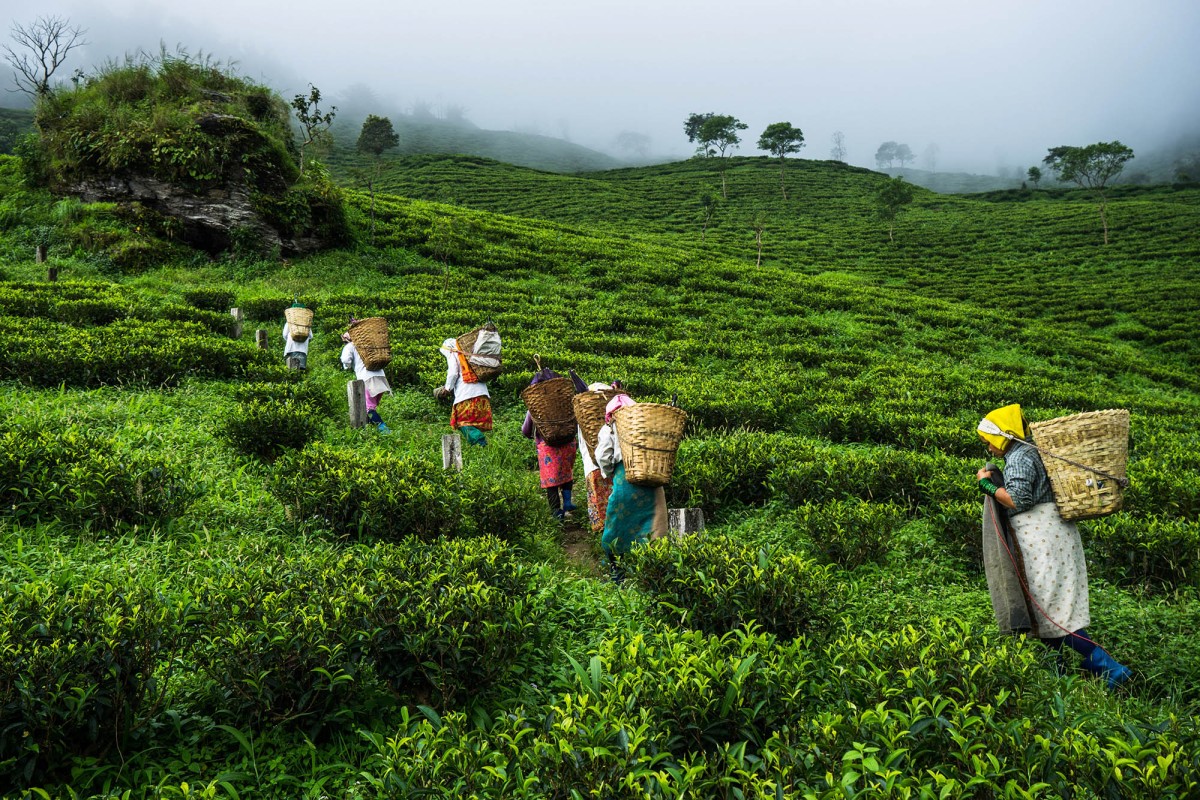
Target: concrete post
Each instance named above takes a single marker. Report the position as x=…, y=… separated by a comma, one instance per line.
x=684, y=521
x=356, y=397
x=293, y=362
x=452, y=451
x=52, y=274
x=260, y=336
x=236, y=313
x=39, y=254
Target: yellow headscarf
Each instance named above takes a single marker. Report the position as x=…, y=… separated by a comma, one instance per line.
x=1008, y=419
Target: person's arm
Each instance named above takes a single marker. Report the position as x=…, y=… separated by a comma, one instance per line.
x=987, y=485
x=527, y=426
x=348, y=356
x=286, y=330
x=607, y=453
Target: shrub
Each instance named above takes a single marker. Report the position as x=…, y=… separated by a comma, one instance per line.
x=717, y=585
x=266, y=430
x=209, y=299
x=82, y=672
x=1154, y=551
x=851, y=533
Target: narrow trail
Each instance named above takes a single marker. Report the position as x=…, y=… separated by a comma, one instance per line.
x=578, y=543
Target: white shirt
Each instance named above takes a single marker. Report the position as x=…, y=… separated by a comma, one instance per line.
x=454, y=382
x=608, y=450
x=292, y=346
x=589, y=466
x=352, y=360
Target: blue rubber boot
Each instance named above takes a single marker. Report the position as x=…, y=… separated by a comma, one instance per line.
x=1102, y=664
x=566, y=496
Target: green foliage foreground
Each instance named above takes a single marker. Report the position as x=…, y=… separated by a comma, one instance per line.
x=211, y=587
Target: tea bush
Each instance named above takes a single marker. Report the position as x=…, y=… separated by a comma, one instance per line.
x=208, y=299
x=1154, y=551
x=851, y=533
x=268, y=429
x=85, y=666
x=84, y=479
x=717, y=585
x=378, y=495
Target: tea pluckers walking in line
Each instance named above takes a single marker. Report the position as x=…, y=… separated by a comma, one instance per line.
x=556, y=463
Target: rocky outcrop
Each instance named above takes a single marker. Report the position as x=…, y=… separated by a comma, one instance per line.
x=212, y=220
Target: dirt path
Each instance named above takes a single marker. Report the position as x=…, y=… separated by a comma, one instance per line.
x=579, y=545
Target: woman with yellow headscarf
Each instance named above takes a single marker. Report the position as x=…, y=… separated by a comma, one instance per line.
x=1036, y=572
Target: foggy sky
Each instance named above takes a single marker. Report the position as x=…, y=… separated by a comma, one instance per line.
x=992, y=84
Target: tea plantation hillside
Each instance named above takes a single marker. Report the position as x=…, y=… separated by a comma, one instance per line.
x=1040, y=252
x=214, y=587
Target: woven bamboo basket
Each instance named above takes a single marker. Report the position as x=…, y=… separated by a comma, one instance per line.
x=549, y=403
x=1097, y=439
x=649, y=434
x=370, y=338
x=466, y=343
x=589, y=412
x=300, y=322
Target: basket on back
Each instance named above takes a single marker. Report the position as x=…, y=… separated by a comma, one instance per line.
x=1096, y=439
x=370, y=338
x=481, y=347
x=649, y=434
x=549, y=404
x=589, y=413
x=299, y=321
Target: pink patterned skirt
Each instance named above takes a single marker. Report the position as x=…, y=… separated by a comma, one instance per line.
x=556, y=465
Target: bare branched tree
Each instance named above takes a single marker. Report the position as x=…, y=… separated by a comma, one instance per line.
x=41, y=48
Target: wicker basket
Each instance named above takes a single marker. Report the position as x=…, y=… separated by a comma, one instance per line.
x=370, y=338
x=466, y=343
x=1098, y=439
x=549, y=403
x=299, y=322
x=649, y=434
x=589, y=412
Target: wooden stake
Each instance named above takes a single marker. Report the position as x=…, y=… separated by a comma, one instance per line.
x=356, y=398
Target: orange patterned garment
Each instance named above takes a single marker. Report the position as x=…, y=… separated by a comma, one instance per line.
x=476, y=412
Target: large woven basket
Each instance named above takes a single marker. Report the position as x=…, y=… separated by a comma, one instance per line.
x=589, y=412
x=299, y=322
x=370, y=338
x=549, y=403
x=466, y=343
x=649, y=434
x=1096, y=439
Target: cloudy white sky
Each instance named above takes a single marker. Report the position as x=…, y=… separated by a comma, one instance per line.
x=992, y=84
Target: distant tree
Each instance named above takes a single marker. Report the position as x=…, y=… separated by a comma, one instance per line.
x=838, y=151
x=710, y=201
x=1186, y=168
x=781, y=139
x=312, y=120
x=890, y=200
x=376, y=136
x=885, y=156
x=42, y=46
x=456, y=114
x=633, y=144
x=930, y=156
x=904, y=154
x=1090, y=167
x=718, y=136
x=1035, y=176
x=693, y=124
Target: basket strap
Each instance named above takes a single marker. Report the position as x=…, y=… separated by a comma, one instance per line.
x=1122, y=482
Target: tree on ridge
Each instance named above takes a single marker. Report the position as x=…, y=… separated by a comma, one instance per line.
x=1090, y=167
x=781, y=139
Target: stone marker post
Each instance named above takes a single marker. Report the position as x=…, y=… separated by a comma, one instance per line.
x=452, y=451
x=260, y=336
x=684, y=521
x=293, y=362
x=52, y=274
x=356, y=397
x=39, y=254
x=236, y=313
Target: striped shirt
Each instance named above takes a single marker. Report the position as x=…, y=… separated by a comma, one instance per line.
x=1025, y=478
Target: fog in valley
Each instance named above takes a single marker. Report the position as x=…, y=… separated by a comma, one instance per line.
x=970, y=87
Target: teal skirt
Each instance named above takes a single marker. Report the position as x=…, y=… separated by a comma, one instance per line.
x=630, y=516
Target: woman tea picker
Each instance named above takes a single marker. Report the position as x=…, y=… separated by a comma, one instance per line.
x=1036, y=573
x=635, y=513
x=374, y=381
x=556, y=464
x=472, y=410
